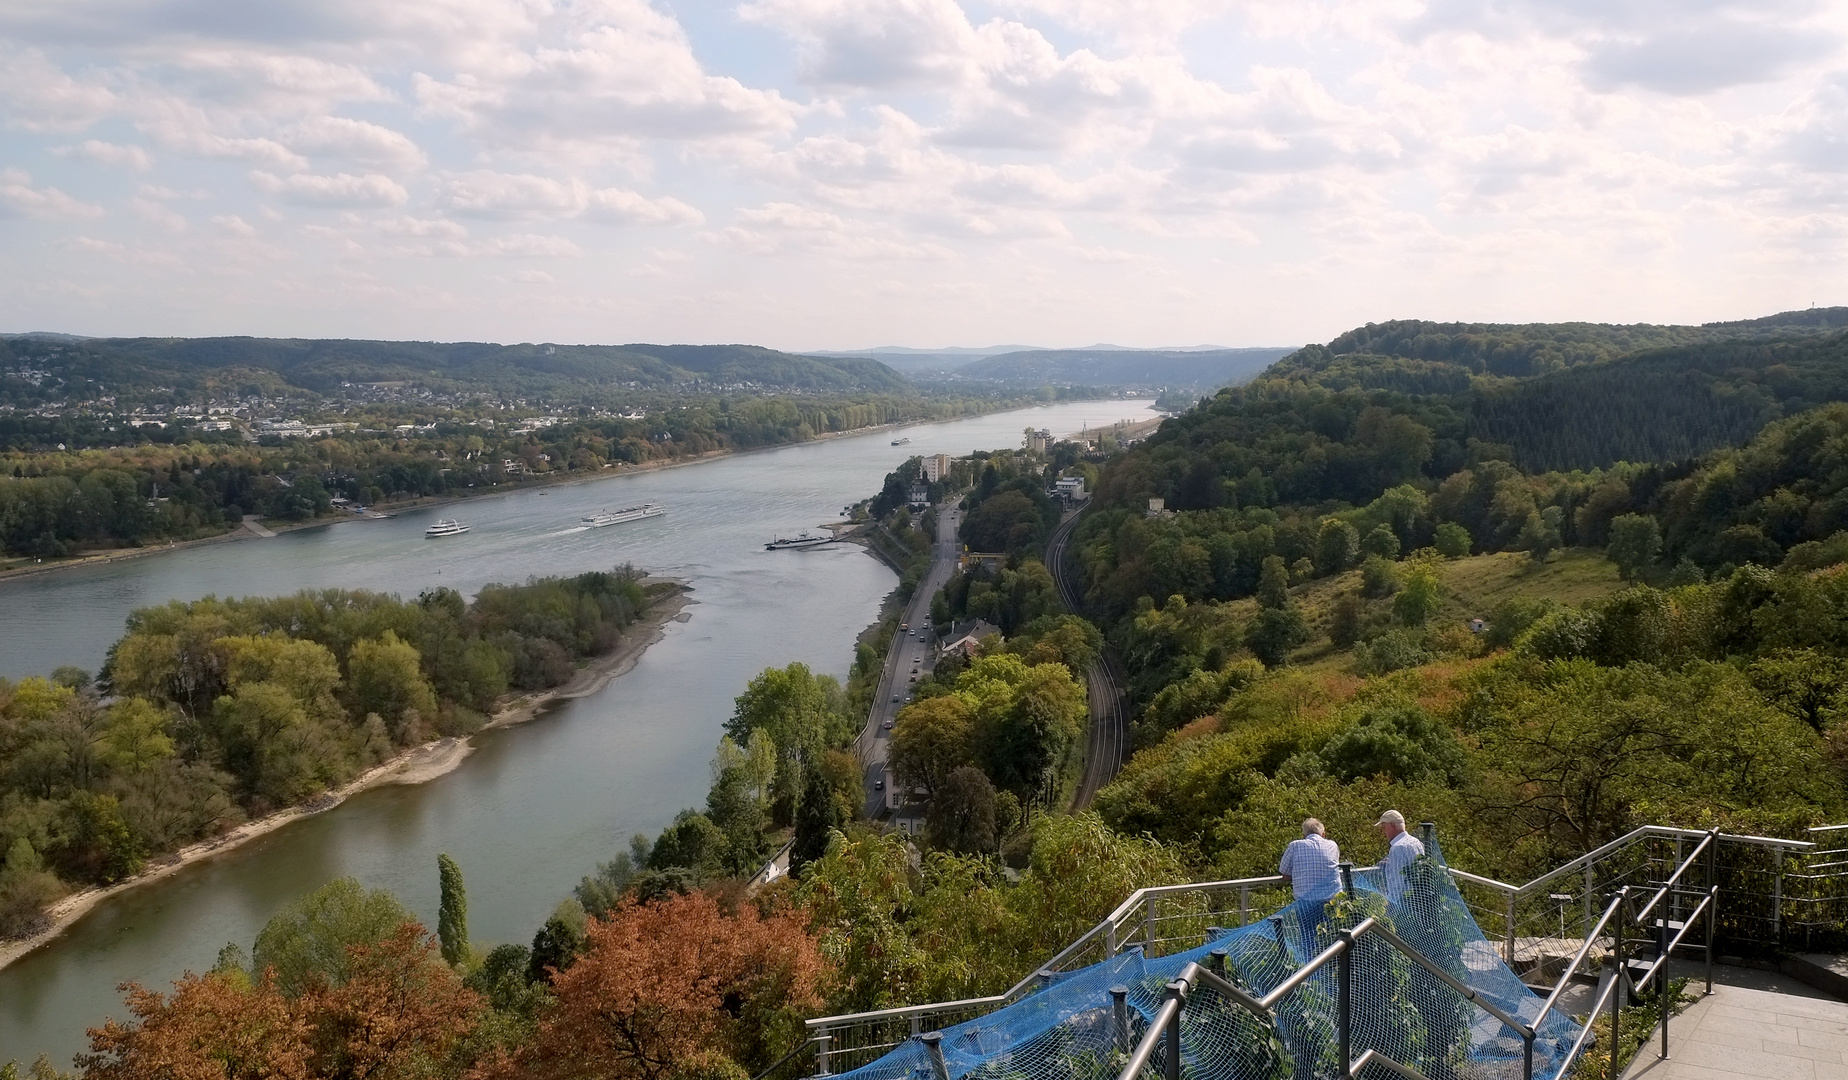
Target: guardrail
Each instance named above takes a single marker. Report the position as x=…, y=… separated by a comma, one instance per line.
x=1547, y=928
x=1162, y=919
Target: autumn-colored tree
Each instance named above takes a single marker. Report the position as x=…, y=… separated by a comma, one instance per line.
x=671, y=982
x=399, y=1012
x=214, y=1027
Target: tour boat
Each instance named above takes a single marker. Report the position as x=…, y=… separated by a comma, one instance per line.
x=804, y=541
x=901, y=442
x=616, y=517
x=446, y=527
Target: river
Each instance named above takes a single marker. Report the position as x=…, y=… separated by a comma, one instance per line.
x=536, y=806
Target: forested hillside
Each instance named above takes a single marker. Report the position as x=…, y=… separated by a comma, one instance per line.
x=231, y=367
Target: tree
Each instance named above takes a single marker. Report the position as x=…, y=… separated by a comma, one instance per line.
x=385, y=678
x=308, y=944
x=931, y=739
x=816, y=820
x=212, y=1026
x=1402, y=742
x=1275, y=632
x=1381, y=542
x=1344, y=621
x=1337, y=546
x=797, y=709
x=962, y=816
x=452, y=912
x=1453, y=540
x=664, y=984
x=1635, y=542
x=1273, y=583
x=1418, y=600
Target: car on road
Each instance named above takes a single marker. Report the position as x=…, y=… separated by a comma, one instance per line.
x=879, y=784
x=887, y=725
x=894, y=699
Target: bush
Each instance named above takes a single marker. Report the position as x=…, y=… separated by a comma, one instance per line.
x=1401, y=742
x=1453, y=540
x=1378, y=577
x=1392, y=651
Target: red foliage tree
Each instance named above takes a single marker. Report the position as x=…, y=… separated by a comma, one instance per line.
x=671, y=983
x=399, y=1013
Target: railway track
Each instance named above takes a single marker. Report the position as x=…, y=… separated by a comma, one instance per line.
x=1108, y=740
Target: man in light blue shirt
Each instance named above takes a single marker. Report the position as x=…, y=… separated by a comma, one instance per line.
x=1403, y=849
x=1310, y=866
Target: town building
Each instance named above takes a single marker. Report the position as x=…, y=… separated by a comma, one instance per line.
x=1070, y=488
x=936, y=467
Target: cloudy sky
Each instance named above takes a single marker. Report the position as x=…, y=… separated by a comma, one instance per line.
x=845, y=173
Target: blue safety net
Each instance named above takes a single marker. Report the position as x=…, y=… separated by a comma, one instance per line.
x=1068, y=1030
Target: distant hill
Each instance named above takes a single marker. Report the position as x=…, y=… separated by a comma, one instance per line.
x=1584, y=395
x=321, y=365
x=1205, y=369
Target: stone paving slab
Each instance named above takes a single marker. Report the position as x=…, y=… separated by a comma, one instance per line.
x=1754, y=1024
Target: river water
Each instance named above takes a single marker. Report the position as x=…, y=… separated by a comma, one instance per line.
x=535, y=807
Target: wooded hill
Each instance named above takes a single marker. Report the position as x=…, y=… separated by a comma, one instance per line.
x=273, y=366
x=1585, y=395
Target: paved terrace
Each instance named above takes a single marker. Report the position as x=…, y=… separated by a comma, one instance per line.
x=1755, y=1024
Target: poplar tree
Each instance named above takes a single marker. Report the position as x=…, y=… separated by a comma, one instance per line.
x=452, y=912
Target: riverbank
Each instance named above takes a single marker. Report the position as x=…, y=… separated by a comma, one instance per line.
x=241, y=531
x=416, y=765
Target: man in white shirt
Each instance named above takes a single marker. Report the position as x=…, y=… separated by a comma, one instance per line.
x=1402, y=850
x=1310, y=866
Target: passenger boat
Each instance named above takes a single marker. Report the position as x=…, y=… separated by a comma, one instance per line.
x=616, y=517
x=782, y=543
x=901, y=442
x=446, y=527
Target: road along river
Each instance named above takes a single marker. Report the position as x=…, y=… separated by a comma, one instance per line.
x=536, y=806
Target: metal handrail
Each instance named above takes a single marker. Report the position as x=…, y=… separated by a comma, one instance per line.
x=1565, y=977
x=1676, y=876
x=1165, y=1023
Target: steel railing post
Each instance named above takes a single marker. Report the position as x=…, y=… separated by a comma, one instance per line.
x=1110, y=941
x=1216, y=962
x=1344, y=1004
x=1171, y=1068
x=1427, y=831
x=1119, y=1016
x=1347, y=877
x=1527, y=1056
x=933, y=1048
x=1713, y=909
x=822, y=1043
x=1621, y=975
x=1662, y=1003
x=1777, y=897
x=1244, y=905
x=1512, y=897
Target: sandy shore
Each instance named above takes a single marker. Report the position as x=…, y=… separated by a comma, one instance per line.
x=417, y=765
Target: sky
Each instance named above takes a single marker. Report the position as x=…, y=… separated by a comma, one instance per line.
x=839, y=174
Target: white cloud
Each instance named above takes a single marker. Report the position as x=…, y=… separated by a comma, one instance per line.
x=353, y=140
x=603, y=73
x=113, y=155
x=18, y=198
x=39, y=95
x=618, y=206
x=338, y=190
x=159, y=214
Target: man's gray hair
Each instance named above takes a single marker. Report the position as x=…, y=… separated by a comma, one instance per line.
x=1312, y=827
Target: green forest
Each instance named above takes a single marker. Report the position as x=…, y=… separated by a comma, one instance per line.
x=211, y=712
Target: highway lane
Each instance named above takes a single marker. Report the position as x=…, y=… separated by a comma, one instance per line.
x=913, y=653
x=1108, y=742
